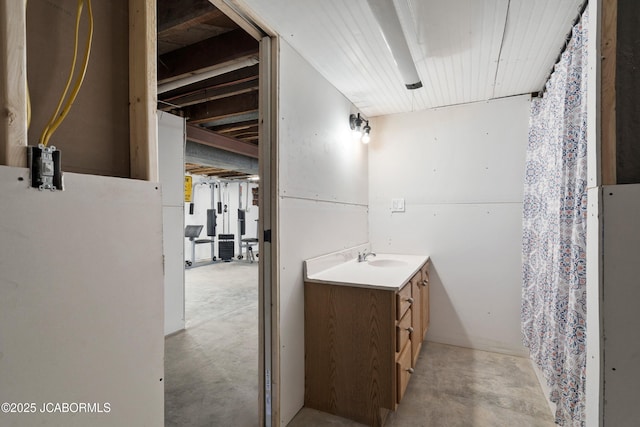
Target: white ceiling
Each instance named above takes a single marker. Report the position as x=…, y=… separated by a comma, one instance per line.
x=464, y=50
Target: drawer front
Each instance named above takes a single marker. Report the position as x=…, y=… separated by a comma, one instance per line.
x=403, y=301
x=403, y=331
x=403, y=371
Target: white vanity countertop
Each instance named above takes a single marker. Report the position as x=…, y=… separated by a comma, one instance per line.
x=383, y=271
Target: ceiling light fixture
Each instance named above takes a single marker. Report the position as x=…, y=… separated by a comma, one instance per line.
x=385, y=13
x=356, y=122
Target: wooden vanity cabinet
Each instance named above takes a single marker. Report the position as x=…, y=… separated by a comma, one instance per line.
x=361, y=345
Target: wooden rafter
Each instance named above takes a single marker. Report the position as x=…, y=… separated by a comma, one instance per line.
x=214, y=93
x=232, y=127
x=211, y=171
x=213, y=110
x=230, y=78
x=13, y=120
x=213, y=139
x=176, y=17
x=206, y=55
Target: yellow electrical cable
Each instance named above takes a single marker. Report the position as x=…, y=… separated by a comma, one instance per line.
x=28, y=106
x=45, y=131
x=57, y=120
x=79, y=81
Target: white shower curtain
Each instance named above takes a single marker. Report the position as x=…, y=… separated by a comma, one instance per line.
x=554, y=232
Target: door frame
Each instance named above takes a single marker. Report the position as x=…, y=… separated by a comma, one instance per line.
x=269, y=318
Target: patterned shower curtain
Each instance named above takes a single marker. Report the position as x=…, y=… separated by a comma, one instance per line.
x=554, y=300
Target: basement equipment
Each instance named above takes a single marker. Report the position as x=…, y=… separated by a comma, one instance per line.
x=225, y=246
x=192, y=232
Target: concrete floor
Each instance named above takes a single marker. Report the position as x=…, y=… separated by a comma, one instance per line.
x=211, y=369
x=454, y=386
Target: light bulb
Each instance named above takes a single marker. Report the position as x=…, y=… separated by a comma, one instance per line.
x=366, y=130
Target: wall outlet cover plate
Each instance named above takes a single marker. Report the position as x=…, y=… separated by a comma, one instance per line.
x=397, y=205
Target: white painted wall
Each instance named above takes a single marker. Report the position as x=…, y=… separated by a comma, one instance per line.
x=202, y=202
x=322, y=196
x=460, y=170
x=171, y=140
x=81, y=291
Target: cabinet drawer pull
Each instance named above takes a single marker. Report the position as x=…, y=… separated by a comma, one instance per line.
x=410, y=329
x=410, y=300
x=410, y=370
x=424, y=283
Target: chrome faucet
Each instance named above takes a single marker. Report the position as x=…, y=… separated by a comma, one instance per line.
x=363, y=256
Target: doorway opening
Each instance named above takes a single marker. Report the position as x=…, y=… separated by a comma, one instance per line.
x=211, y=77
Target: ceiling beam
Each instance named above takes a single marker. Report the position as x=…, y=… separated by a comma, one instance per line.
x=213, y=139
x=232, y=77
x=215, y=93
x=205, y=155
x=241, y=133
x=232, y=127
x=243, y=22
x=213, y=110
x=238, y=118
x=183, y=14
x=198, y=57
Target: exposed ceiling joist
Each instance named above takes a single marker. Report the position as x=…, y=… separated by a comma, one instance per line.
x=239, y=18
x=233, y=106
x=239, y=133
x=216, y=140
x=206, y=55
x=183, y=15
x=207, y=156
x=206, y=73
x=214, y=93
x=232, y=127
x=188, y=21
x=198, y=169
x=231, y=78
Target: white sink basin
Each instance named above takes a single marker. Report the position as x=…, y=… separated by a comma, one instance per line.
x=384, y=271
x=386, y=263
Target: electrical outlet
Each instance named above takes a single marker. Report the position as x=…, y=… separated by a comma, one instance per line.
x=397, y=205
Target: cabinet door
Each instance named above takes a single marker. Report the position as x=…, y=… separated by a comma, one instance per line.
x=424, y=299
x=416, y=318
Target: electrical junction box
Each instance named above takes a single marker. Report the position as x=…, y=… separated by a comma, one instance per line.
x=44, y=167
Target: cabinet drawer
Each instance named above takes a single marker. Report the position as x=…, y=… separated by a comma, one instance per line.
x=403, y=370
x=403, y=301
x=403, y=331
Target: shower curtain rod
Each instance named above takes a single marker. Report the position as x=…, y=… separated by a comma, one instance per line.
x=568, y=38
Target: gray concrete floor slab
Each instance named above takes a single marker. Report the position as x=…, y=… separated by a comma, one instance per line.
x=211, y=369
x=460, y=387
